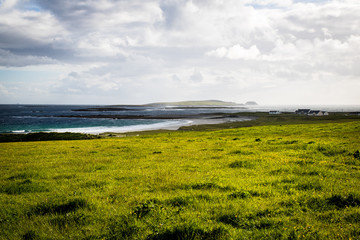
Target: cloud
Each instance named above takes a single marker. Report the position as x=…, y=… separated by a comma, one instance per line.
x=24, y=29
x=6, y=5
x=9, y=59
x=278, y=3
x=236, y=52
x=164, y=48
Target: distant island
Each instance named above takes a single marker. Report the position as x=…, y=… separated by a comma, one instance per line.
x=251, y=103
x=202, y=103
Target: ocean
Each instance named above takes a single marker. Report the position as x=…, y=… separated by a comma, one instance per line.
x=75, y=118
x=61, y=118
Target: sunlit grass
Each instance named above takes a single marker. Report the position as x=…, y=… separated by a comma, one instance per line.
x=269, y=182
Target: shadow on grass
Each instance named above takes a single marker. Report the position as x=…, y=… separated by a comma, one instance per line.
x=69, y=220
x=250, y=222
x=59, y=208
x=26, y=186
x=208, y=186
x=247, y=194
x=242, y=164
x=190, y=232
x=123, y=227
x=336, y=201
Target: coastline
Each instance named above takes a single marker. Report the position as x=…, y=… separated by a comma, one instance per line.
x=122, y=119
x=173, y=124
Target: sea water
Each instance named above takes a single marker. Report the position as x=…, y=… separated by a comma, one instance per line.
x=60, y=118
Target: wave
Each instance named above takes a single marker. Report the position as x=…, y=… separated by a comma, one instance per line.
x=20, y=131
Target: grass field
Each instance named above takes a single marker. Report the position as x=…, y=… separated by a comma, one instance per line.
x=262, y=182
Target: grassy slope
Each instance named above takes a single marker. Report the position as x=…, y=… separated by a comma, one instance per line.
x=265, y=119
x=270, y=182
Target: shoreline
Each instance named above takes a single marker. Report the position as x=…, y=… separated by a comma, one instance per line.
x=168, y=122
x=174, y=125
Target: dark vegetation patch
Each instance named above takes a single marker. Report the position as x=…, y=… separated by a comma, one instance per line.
x=353, y=217
x=143, y=209
x=279, y=171
x=42, y=136
x=191, y=232
x=356, y=155
x=241, y=195
x=204, y=197
x=30, y=235
x=208, y=186
x=355, y=233
x=311, y=173
x=126, y=178
x=305, y=233
x=353, y=162
x=309, y=186
x=304, y=162
x=24, y=175
x=242, y=164
x=95, y=184
x=334, y=202
x=247, y=194
x=289, y=142
x=26, y=186
x=340, y=201
x=250, y=222
x=241, y=152
x=59, y=208
x=286, y=184
x=331, y=151
x=329, y=217
x=100, y=168
x=218, y=149
x=180, y=201
x=69, y=220
x=65, y=176
x=123, y=227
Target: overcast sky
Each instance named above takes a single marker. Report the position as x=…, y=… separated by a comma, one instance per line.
x=141, y=51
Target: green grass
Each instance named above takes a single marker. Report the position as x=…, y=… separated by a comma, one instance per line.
x=262, y=182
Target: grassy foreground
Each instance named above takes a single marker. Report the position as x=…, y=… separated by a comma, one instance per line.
x=268, y=182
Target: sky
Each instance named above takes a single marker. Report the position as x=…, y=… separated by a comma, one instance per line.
x=143, y=51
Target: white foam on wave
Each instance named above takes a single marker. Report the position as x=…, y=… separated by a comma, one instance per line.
x=20, y=131
x=171, y=125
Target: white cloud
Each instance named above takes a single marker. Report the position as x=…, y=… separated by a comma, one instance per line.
x=164, y=48
x=6, y=5
x=21, y=29
x=279, y=3
x=236, y=52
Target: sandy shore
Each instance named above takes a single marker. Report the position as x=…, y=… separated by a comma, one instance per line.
x=169, y=122
x=174, y=125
